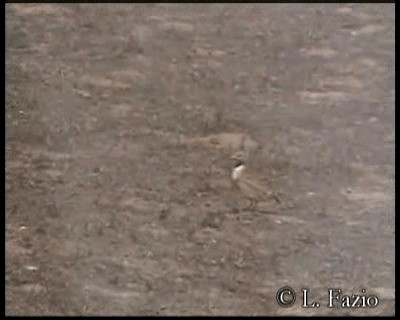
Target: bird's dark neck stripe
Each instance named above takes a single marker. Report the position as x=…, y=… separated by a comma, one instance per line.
x=238, y=164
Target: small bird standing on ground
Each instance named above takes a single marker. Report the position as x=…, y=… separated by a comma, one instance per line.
x=249, y=185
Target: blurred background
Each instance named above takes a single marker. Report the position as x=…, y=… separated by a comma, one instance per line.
x=120, y=120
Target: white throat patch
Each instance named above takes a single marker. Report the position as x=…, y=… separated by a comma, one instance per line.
x=236, y=172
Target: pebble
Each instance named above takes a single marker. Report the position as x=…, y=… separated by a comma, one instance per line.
x=83, y=93
x=33, y=288
x=31, y=268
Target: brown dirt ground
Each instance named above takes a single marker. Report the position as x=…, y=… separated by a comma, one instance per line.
x=120, y=120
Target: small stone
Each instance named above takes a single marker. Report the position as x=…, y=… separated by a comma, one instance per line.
x=33, y=288
x=31, y=268
x=212, y=220
x=83, y=93
x=239, y=263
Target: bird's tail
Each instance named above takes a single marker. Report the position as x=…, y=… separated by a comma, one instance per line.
x=276, y=197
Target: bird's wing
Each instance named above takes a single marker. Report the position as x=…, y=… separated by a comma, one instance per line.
x=253, y=188
x=257, y=190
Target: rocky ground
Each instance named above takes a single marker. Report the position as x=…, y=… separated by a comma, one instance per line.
x=120, y=120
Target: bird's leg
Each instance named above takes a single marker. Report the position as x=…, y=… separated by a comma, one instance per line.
x=253, y=205
x=247, y=207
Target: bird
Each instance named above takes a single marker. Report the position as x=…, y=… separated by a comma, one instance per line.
x=250, y=186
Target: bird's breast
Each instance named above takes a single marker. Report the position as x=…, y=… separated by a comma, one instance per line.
x=237, y=172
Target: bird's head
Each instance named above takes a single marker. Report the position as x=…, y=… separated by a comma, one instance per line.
x=239, y=158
